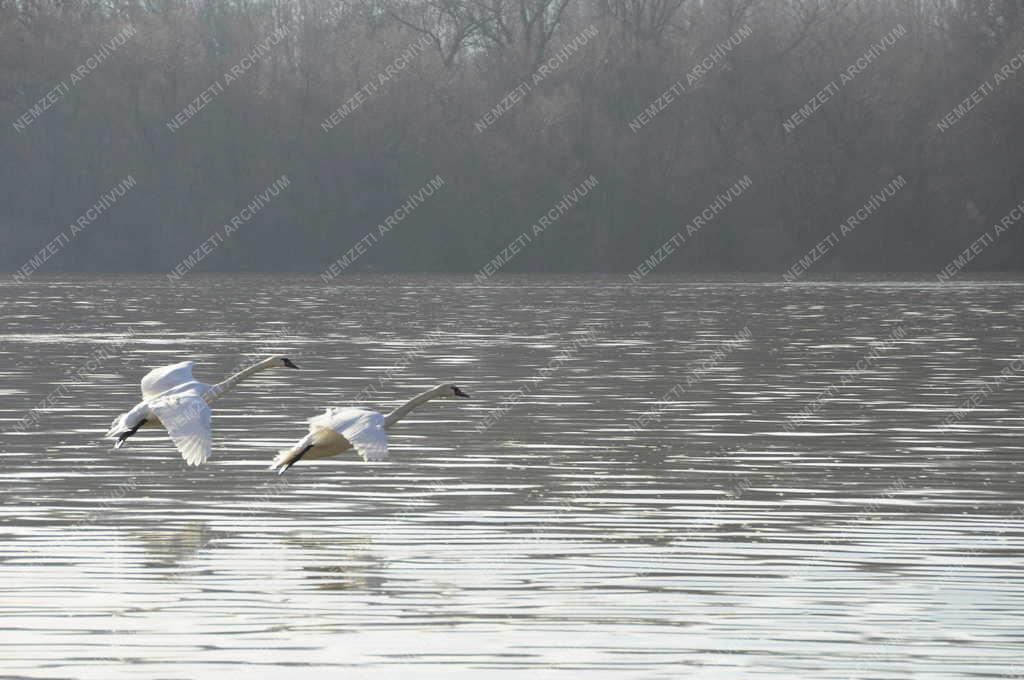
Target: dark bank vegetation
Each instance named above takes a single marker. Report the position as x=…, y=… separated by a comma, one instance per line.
x=198, y=159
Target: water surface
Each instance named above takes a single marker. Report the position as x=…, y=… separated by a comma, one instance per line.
x=733, y=478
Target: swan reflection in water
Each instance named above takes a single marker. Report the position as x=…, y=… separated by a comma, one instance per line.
x=330, y=562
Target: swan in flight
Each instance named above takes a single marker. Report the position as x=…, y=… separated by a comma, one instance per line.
x=341, y=429
x=174, y=400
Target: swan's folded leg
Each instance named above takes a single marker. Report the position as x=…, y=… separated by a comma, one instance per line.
x=127, y=424
x=123, y=436
x=288, y=457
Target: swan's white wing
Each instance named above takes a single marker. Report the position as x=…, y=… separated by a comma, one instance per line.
x=364, y=430
x=327, y=419
x=187, y=419
x=336, y=419
x=159, y=380
x=368, y=436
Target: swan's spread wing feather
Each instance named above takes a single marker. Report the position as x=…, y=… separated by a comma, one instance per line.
x=159, y=380
x=368, y=436
x=187, y=419
x=363, y=429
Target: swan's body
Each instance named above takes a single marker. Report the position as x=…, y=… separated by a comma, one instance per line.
x=340, y=429
x=174, y=400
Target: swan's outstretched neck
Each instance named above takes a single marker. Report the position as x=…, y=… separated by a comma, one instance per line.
x=403, y=410
x=230, y=383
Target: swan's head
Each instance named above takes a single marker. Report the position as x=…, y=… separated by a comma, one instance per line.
x=451, y=392
x=279, y=361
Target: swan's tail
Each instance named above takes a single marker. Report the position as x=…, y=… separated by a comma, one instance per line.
x=289, y=457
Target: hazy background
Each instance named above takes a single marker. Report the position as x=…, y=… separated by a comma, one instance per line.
x=575, y=123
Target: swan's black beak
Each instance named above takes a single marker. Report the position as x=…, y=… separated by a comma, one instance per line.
x=288, y=363
x=460, y=393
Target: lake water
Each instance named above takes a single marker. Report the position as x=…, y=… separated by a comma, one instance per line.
x=731, y=478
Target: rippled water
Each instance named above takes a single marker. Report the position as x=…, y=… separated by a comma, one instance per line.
x=639, y=488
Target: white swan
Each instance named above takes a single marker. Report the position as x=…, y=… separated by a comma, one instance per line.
x=174, y=400
x=341, y=429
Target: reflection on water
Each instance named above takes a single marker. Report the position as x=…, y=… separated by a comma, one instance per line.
x=628, y=493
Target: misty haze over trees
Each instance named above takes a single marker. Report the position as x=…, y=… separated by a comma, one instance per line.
x=513, y=103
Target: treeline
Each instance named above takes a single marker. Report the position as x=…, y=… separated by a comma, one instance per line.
x=512, y=103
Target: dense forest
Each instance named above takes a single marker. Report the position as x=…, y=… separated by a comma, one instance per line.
x=180, y=136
